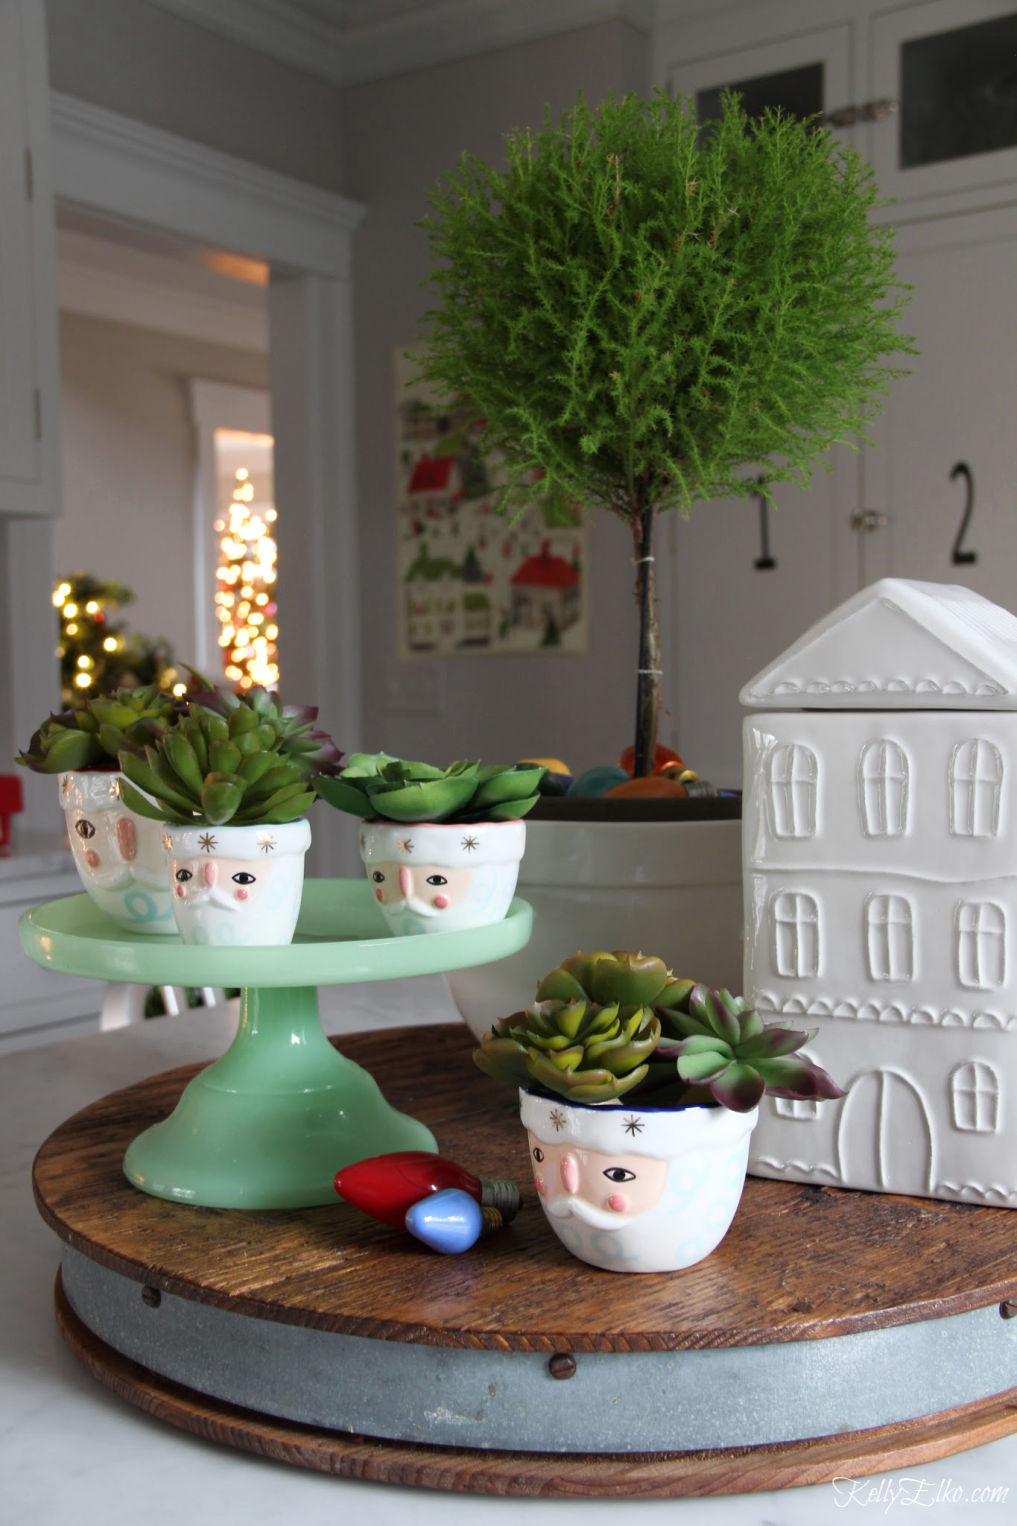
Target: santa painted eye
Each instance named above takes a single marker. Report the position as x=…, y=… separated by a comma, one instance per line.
x=243, y=879
x=436, y=879
x=538, y=1154
x=619, y=1174
x=84, y=828
x=378, y=877
x=183, y=875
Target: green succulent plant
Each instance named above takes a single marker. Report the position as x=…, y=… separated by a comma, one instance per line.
x=312, y=751
x=723, y=1044
x=92, y=734
x=376, y=787
x=610, y=1025
x=215, y=769
x=584, y=1051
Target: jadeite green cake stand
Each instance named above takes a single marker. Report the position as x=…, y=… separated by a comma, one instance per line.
x=270, y=1123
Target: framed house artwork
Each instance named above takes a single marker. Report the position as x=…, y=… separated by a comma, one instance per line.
x=880, y=880
x=472, y=581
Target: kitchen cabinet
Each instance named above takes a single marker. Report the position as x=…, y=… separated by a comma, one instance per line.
x=928, y=92
x=29, y=366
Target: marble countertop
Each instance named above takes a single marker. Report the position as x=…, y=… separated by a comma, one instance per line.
x=34, y=853
x=71, y=1451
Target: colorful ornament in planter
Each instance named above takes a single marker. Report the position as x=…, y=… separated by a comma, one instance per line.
x=879, y=840
x=639, y=1092
x=441, y=847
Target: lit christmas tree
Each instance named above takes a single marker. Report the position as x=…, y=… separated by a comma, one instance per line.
x=245, y=602
x=97, y=653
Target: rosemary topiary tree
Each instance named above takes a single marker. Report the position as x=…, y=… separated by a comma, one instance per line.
x=647, y=314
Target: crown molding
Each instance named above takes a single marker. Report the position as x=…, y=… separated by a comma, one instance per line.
x=350, y=43
x=112, y=164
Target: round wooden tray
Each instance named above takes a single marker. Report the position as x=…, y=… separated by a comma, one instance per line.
x=802, y=1269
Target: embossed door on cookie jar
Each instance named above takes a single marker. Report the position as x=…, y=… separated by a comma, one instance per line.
x=885, y=1135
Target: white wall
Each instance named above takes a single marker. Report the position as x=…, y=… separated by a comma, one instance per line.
x=129, y=458
x=140, y=60
x=390, y=143
x=400, y=135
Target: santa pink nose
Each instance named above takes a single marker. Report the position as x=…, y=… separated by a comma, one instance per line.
x=208, y=872
x=569, y=1173
x=405, y=881
x=127, y=840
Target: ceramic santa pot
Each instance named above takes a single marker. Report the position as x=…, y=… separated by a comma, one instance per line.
x=637, y=1189
x=429, y=877
x=237, y=885
x=119, y=856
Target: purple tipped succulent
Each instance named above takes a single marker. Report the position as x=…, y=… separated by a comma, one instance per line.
x=723, y=1044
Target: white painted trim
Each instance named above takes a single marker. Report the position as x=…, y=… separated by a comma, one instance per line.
x=120, y=169
x=184, y=301
x=348, y=52
x=134, y=173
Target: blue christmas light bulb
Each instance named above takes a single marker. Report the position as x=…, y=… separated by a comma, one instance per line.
x=449, y=1221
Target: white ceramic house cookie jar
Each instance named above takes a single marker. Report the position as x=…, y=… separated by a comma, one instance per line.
x=880, y=879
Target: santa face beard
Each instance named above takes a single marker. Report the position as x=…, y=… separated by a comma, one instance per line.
x=410, y=904
x=208, y=895
x=117, y=877
x=565, y=1207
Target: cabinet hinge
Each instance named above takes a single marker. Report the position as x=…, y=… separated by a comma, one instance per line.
x=867, y=521
x=29, y=176
x=37, y=412
x=851, y=116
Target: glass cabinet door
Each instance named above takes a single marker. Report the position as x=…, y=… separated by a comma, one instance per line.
x=806, y=75
x=951, y=65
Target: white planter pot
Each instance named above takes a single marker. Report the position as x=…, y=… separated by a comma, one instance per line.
x=431, y=877
x=120, y=857
x=237, y=885
x=671, y=888
x=637, y=1189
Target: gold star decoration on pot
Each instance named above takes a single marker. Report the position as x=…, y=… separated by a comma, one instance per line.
x=206, y=842
x=266, y=844
x=469, y=843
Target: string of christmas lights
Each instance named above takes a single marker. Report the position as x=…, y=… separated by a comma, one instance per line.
x=96, y=652
x=245, y=576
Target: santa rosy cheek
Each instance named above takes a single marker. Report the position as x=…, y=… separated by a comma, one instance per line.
x=441, y=901
x=242, y=895
x=538, y=1182
x=617, y=1203
x=378, y=894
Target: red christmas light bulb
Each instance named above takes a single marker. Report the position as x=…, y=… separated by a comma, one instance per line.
x=386, y=1186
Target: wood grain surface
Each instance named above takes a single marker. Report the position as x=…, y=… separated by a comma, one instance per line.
x=743, y=1470
x=799, y=1263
